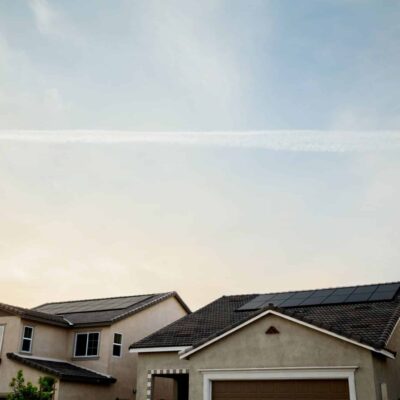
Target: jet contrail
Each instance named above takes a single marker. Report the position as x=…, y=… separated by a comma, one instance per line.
x=279, y=140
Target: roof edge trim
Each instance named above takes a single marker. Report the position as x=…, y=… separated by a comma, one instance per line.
x=177, y=349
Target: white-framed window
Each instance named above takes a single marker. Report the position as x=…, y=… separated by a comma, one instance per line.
x=87, y=344
x=2, y=329
x=117, y=345
x=27, y=339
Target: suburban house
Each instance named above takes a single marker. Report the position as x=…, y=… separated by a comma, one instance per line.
x=83, y=344
x=336, y=344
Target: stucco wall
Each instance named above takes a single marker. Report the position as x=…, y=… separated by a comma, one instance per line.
x=387, y=371
x=11, y=342
x=250, y=347
x=77, y=391
x=48, y=341
x=132, y=329
x=58, y=343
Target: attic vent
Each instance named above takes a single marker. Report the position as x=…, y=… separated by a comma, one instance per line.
x=272, y=331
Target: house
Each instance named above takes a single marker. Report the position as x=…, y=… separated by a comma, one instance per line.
x=336, y=344
x=83, y=344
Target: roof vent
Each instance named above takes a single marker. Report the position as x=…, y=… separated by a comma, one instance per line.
x=272, y=331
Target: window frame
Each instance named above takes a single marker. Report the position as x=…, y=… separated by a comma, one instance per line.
x=97, y=355
x=23, y=338
x=117, y=344
x=2, y=334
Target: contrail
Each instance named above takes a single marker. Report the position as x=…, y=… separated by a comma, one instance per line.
x=279, y=140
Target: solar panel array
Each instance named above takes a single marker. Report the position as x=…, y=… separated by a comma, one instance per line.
x=354, y=294
x=91, y=305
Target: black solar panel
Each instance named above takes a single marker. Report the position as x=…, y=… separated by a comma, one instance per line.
x=353, y=294
x=91, y=305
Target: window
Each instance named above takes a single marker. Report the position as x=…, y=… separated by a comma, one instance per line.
x=117, y=345
x=87, y=344
x=2, y=328
x=27, y=338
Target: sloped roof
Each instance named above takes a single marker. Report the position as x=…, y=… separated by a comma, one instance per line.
x=34, y=315
x=63, y=370
x=92, y=312
x=106, y=310
x=370, y=323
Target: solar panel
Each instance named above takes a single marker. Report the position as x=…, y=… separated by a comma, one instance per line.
x=362, y=293
x=366, y=289
x=91, y=305
x=357, y=297
x=353, y=294
x=335, y=299
x=291, y=302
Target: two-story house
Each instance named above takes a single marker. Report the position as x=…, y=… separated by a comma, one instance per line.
x=83, y=344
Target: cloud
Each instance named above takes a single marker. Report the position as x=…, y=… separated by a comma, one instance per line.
x=45, y=16
x=27, y=96
x=279, y=140
x=52, y=22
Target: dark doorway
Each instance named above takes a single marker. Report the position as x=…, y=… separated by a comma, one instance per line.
x=170, y=387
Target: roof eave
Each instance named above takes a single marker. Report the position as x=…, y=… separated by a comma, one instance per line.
x=175, y=349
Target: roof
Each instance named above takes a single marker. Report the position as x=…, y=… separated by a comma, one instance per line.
x=369, y=323
x=91, y=312
x=34, y=315
x=105, y=310
x=63, y=370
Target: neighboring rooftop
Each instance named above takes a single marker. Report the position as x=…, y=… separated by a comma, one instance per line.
x=367, y=321
x=105, y=310
x=93, y=312
x=34, y=315
x=63, y=370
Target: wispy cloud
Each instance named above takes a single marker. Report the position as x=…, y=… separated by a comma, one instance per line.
x=51, y=21
x=45, y=16
x=279, y=140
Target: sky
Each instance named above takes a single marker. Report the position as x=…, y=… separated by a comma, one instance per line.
x=212, y=148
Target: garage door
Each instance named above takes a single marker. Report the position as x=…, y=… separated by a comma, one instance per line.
x=329, y=389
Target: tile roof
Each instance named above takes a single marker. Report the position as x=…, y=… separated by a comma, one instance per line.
x=63, y=370
x=104, y=311
x=35, y=315
x=370, y=323
x=93, y=312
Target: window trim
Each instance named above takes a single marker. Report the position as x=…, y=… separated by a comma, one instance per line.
x=117, y=344
x=87, y=345
x=2, y=335
x=25, y=338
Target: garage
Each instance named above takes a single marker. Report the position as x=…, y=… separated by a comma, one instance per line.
x=323, y=389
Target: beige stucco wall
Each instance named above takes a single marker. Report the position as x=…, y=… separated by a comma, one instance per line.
x=250, y=347
x=58, y=343
x=11, y=343
x=132, y=329
x=48, y=340
x=387, y=371
x=78, y=391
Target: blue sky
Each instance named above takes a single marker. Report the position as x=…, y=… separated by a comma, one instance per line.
x=209, y=147
x=209, y=65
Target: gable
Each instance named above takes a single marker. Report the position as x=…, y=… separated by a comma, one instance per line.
x=294, y=345
x=285, y=317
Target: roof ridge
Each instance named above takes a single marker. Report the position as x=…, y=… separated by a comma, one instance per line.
x=96, y=299
x=321, y=288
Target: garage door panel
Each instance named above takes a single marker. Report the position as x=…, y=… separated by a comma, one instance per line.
x=281, y=390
